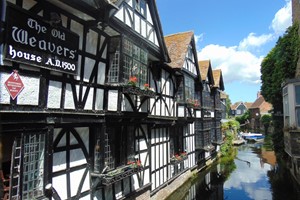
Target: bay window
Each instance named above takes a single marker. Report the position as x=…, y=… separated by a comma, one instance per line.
x=127, y=63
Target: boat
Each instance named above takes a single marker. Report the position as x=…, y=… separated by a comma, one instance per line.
x=256, y=137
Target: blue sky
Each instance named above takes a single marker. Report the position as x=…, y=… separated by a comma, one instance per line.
x=234, y=34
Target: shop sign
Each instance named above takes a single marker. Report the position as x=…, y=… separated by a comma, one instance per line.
x=14, y=84
x=32, y=41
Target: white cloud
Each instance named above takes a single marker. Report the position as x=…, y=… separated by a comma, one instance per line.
x=199, y=38
x=254, y=41
x=236, y=65
x=282, y=19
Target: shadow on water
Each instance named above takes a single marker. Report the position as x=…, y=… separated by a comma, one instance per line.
x=254, y=173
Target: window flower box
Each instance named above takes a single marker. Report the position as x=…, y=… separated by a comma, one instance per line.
x=119, y=173
x=178, y=158
x=132, y=89
x=193, y=103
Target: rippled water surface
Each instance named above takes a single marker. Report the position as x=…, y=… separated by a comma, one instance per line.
x=254, y=174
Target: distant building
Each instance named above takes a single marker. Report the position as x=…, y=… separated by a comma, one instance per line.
x=239, y=108
x=259, y=108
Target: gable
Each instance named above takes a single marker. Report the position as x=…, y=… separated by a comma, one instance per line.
x=137, y=15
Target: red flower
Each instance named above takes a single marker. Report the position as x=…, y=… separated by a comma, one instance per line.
x=133, y=79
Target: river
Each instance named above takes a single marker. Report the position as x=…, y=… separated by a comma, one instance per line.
x=253, y=174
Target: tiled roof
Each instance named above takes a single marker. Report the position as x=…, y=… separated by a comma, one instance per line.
x=204, y=67
x=263, y=106
x=217, y=77
x=248, y=104
x=177, y=45
x=223, y=95
x=235, y=105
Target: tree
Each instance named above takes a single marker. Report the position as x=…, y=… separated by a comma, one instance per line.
x=228, y=103
x=279, y=65
x=243, y=120
x=266, y=121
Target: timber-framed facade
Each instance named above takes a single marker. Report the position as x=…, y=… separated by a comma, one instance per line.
x=93, y=103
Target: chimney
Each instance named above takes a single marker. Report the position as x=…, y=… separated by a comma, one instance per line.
x=258, y=94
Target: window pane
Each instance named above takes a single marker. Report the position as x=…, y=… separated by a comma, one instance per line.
x=143, y=75
x=127, y=47
x=298, y=116
x=136, y=52
x=135, y=64
x=114, y=68
x=127, y=68
x=297, y=90
x=144, y=57
x=33, y=166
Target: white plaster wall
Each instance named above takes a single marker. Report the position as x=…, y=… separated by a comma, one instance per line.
x=143, y=145
x=149, y=17
x=135, y=182
x=198, y=113
x=157, y=107
x=76, y=177
x=4, y=95
x=60, y=185
x=84, y=135
x=54, y=94
x=130, y=3
x=91, y=41
x=127, y=18
x=69, y=100
x=101, y=73
x=146, y=176
x=28, y=4
x=99, y=99
x=30, y=94
x=151, y=35
x=143, y=28
x=89, y=101
x=137, y=25
x=78, y=29
x=120, y=14
x=88, y=67
x=113, y=100
x=181, y=111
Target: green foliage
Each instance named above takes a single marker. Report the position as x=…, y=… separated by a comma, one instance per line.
x=266, y=121
x=243, y=119
x=228, y=103
x=280, y=64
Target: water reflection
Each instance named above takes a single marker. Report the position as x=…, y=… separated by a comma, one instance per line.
x=249, y=180
x=253, y=174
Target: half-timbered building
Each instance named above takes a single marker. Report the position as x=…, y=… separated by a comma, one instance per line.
x=207, y=128
x=91, y=105
x=182, y=50
x=219, y=106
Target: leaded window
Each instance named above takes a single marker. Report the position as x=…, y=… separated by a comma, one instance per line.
x=189, y=87
x=27, y=167
x=140, y=6
x=135, y=63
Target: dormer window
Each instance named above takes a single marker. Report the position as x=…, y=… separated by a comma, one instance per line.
x=140, y=6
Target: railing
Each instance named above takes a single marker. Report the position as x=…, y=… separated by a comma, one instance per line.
x=118, y=174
